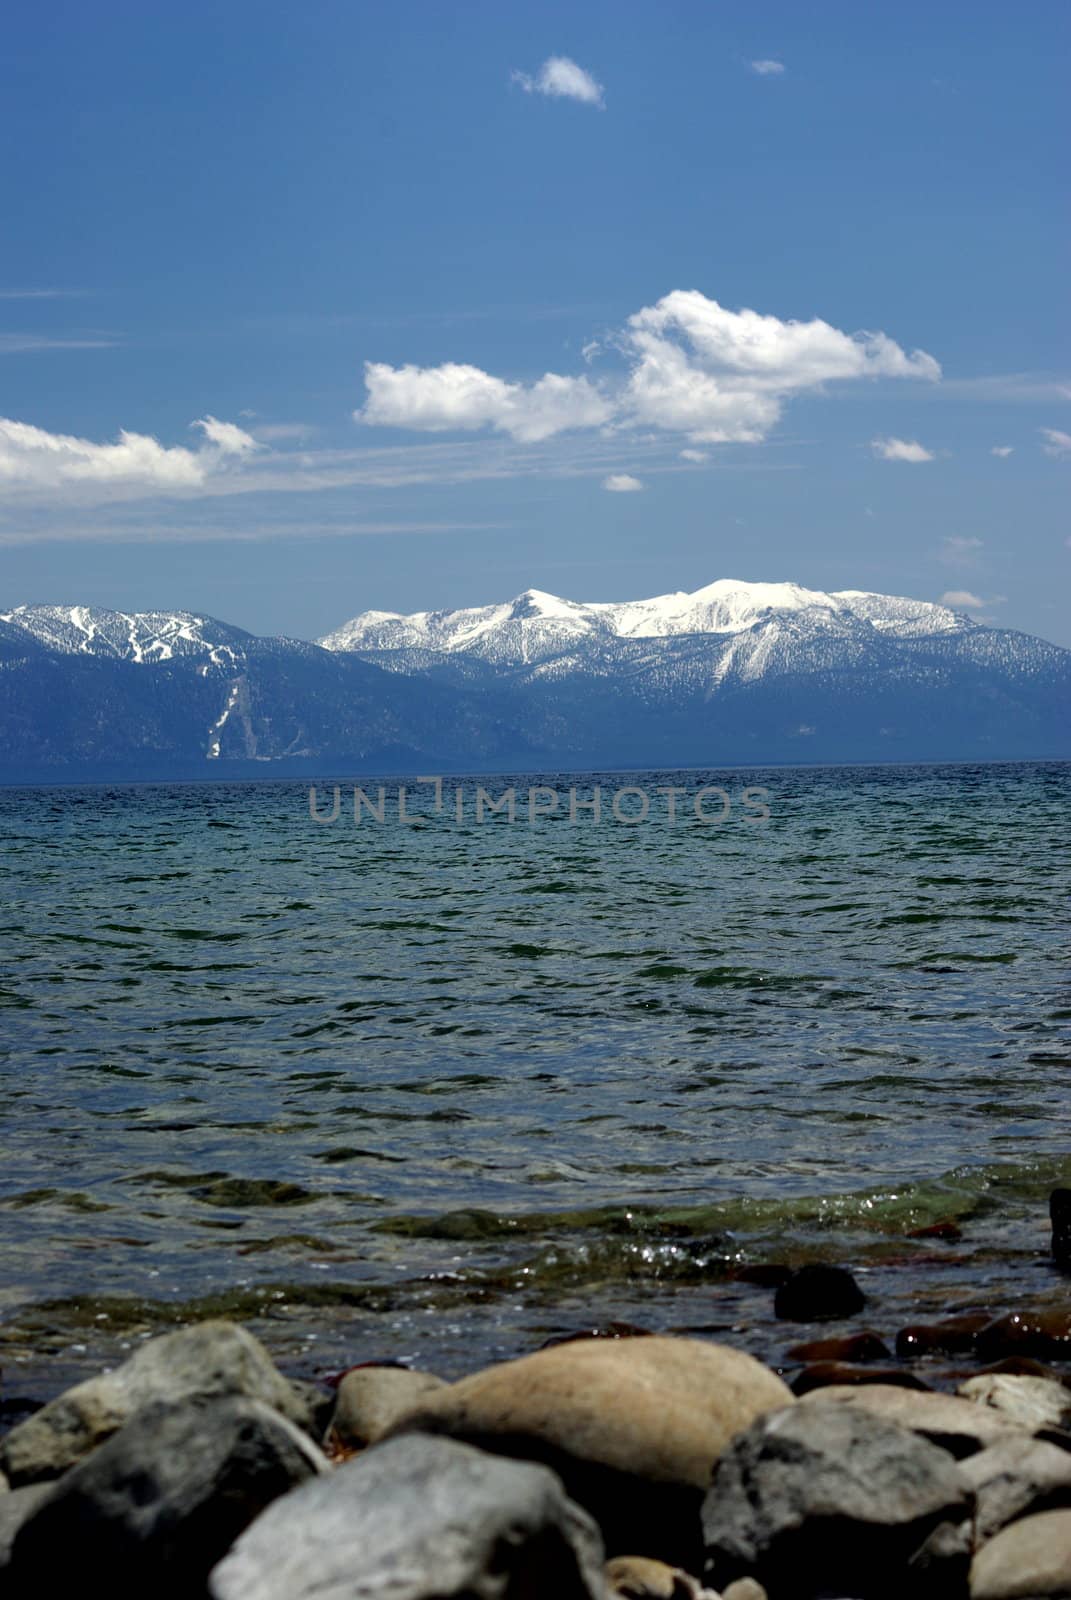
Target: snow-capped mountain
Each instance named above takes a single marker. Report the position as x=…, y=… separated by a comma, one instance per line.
x=137, y=636
x=734, y=674
x=536, y=626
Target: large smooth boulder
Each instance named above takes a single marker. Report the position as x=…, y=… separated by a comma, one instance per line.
x=1015, y=1478
x=211, y=1358
x=828, y=1500
x=419, y=1518
x=372, y=1400
x=1027, y=1560
x=632, y=1426
x=155, y=1507
x=957, y=1425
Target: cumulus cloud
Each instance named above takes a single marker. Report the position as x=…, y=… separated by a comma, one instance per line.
x=32, y=458
x=767, y=68
x=694, y=455
x=1002, y=450
x=622, y=483
x=438, y=399
x=691, y=367
x=962, y=600
x=562, y=79
x=900, y=450
x=1056, y=443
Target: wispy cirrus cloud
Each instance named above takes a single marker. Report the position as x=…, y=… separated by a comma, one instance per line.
x=42, y=294
x=692, y=367
x=900, y=450
x=560, y=78
x=1057, y=443
x=17, y=344
x=767, y=67
x=959, y=551
x=1002, y=451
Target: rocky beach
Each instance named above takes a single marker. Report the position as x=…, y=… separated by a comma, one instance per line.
x=612, y=1462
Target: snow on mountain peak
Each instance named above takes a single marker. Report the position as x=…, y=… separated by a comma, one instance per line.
x=537, y=623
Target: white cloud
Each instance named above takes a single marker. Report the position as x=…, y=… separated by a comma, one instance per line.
x=1056, y=443
x=226, y=437
x=438, y=399
x=692, y=368
x=767, y=68
x=962, y=600
x=31, y=458
x=622, y=483
x=957, y=551
x=562, y=79
x=900, y=450
x=1002, y=450
x=695, y=455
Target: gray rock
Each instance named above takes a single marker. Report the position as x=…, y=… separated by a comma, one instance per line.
x=212, y=1358
x=416, y=1518
x=828, y=1500
x=159, y=1503
x=16, y=1507
x=372, y=1400
x=1031, y=1559
x=957, y=1425
x=1032, y=1402
x=1015, y=1478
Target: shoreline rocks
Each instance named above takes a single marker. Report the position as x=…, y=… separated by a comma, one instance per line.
x=607, y=1468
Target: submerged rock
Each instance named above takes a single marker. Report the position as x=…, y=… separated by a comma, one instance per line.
x=825, y=1374
x=157, y=1505
x=1014, y=1478
x=212, y=1358
x=864, y=1346
x=1060, y=1216
x=632, y=1426
x=818, y=1293
x=372, y=1400
x=418, y=1518
x=1034, y=1402
x=952, y=1336
x=1031, y=1559
x=828, y=1500
x=1044, y=1334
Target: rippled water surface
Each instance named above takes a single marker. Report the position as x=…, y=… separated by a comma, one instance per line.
x=442, y=1088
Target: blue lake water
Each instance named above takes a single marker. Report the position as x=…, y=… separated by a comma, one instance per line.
x=440, y=1087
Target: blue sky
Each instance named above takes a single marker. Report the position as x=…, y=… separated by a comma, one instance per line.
x=350, y=240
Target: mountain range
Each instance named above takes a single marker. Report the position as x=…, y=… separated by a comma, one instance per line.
x=733, y=674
